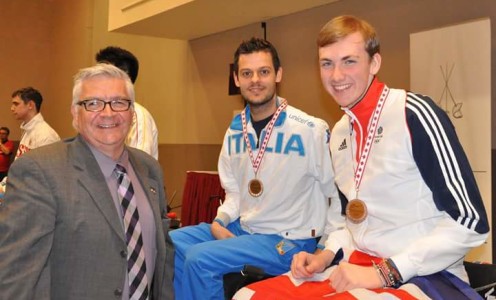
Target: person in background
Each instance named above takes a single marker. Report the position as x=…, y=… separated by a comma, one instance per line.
x=413, y=208
x=26, y=107
x=6, y=148
x=84, y=218
x=276, y=170
x=143, y=133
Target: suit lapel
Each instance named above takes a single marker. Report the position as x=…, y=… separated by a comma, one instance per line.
x=95, y=184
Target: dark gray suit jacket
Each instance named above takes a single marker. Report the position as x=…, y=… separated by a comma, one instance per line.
x=60, y=233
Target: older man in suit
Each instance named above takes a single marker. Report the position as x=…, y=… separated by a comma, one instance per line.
x=85, y=218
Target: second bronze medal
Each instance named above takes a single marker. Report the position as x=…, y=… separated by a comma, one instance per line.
x=255, y=187
x=356, y=211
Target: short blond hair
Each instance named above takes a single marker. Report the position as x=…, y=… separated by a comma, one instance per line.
x=342, y=26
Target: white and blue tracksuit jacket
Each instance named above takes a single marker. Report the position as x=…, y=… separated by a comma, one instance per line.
x=425, y=211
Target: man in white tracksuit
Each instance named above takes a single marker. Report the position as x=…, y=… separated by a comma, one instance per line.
x=26, y=106
x=410, y=194
x=276, y=170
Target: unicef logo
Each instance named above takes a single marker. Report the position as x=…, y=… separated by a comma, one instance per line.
x=310, y=124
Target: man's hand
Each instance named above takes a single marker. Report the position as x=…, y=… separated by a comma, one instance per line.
x=304, y=264
x=220, y=232
x=348, y=276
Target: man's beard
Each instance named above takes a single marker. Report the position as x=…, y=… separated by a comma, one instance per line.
x=258, y=103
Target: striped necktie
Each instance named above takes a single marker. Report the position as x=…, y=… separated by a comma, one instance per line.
x=136, y=265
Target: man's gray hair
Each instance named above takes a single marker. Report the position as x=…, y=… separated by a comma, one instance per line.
x=103, y=70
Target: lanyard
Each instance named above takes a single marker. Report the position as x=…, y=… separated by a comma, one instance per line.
x=257, y=161
x=364, y=155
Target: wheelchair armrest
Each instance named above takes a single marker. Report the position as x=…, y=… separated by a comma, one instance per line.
x=235, y=281
x=253, y=273
x=482, y=277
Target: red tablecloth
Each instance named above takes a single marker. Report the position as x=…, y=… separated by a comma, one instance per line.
x=201, y=197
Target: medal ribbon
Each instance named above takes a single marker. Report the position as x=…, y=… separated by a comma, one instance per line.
x=370, y=137
x=256, y=162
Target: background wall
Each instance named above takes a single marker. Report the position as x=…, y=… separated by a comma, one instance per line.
x=25, y=46
x=184, y=84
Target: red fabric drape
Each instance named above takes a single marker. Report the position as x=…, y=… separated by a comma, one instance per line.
x=201, y=198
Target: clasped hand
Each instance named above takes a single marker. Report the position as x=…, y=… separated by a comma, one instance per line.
x=345, y=276
x=220, y=232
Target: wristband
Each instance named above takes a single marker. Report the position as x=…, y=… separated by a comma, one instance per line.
x=394, y=272
x=383, y=281
x=389, y=273
x=220, y=222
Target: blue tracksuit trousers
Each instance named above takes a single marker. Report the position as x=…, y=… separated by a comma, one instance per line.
x=201, y=261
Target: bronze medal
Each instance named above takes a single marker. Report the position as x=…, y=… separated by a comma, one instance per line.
x=255, y=187
x=356, y=211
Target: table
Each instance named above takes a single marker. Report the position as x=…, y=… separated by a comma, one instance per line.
x=201, y=197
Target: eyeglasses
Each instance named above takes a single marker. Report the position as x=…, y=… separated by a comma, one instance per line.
x=96, y=105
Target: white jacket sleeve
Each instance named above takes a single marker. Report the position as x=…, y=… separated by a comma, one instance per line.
x=334, y=219
x=229, y=210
